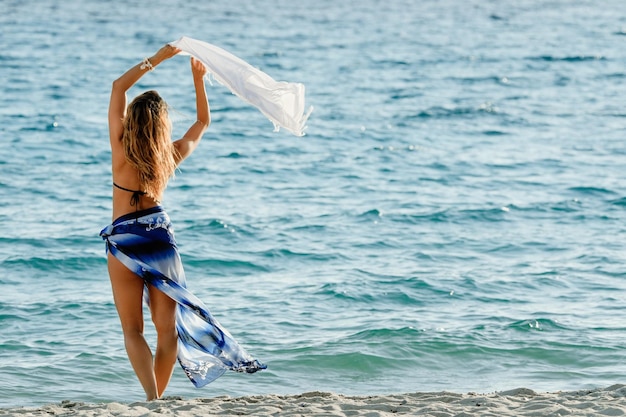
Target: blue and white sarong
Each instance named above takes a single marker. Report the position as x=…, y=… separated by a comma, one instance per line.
x=144, y=242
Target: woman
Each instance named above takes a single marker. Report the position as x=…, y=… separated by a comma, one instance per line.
x=142, y=252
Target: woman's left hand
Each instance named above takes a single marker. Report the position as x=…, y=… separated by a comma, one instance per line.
x=166, y=52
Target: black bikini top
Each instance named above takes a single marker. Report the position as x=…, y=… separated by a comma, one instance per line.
x=134, y=200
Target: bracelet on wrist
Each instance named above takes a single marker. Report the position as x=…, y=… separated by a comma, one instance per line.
x=146, y=64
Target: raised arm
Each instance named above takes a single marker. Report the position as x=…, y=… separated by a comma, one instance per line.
x=117, y=104
x=188, y=143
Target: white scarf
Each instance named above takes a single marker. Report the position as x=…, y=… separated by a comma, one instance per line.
x=279, y=101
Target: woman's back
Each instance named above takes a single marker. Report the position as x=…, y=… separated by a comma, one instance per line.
x=128, y=195
x=143, y=155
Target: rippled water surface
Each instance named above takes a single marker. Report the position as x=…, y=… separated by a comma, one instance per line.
x=453, y=219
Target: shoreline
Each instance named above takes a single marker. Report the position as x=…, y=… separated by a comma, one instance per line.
x=609, y=401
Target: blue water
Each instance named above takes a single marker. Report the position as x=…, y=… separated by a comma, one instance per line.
x=453, y=220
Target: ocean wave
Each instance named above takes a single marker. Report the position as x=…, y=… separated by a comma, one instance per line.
x=226, y=267
x=594, y=191
x=573, y=59
x=440, y=112
x=540, y=325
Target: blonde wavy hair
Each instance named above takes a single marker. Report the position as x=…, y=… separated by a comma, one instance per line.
x=147, y=142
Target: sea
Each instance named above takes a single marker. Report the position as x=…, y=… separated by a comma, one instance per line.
x=453, y=220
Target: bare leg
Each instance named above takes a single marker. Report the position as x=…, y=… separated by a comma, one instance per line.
x=127, y=294
x=163, y=310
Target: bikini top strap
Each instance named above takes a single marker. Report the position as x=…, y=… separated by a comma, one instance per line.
x=134, y=200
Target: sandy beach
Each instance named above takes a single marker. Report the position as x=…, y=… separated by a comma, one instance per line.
x=609, y=401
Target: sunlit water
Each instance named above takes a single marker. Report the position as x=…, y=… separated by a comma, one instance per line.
x=453, y=219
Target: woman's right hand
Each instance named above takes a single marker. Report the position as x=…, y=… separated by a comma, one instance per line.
x=198, y=70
